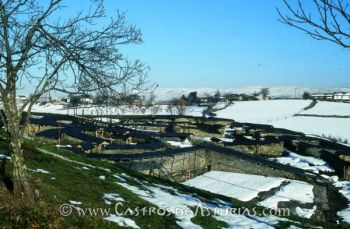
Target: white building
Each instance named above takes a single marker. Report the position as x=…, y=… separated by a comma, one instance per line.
x=21, y=98
x=87, y=100
x=342, y=96
x=335, y=96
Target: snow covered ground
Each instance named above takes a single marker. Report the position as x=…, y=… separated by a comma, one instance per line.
x=246, y=187
x=279, y=113
x=180, y=205
x=185, y=144
x=304, y=162
x=40, y=171
x=264, y=112
x=122, y=221
x=4, y=157
x=239, y=186
x=295, y=190
x=329, y=108
x=327, y=127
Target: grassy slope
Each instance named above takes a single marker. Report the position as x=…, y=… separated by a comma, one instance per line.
x=75, y=183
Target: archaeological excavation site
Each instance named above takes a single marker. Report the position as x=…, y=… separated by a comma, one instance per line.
x=213, y=154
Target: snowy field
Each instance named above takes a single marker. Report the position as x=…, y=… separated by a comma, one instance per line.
x=263, y=111
x=304, y=162
x=247, y=187
x=279, y=113
x=239, y=186
x=327, y=127
x=329, y=108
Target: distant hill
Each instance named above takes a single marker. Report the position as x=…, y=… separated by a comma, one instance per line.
x=280, y=92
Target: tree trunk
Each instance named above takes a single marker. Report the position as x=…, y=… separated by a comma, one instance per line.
x=21, y=186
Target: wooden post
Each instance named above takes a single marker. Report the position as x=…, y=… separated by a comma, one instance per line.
x=183, y=164
x=172, y=163
x=344, y=173
x=189, y=165
x=194, y=162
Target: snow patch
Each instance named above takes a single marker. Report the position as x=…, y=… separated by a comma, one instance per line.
x=63, y=146
x=295, y=190
x=73, y=202
x=185, y=144
x=345, y=190
x=2, y=156
x=40, y=171
x=305, y=213
x=304, y=162
x=119, y=177
x=112, y=197
x=239, y=186
x=122, y=221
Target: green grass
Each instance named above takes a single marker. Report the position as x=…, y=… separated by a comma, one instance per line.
x=206, y=220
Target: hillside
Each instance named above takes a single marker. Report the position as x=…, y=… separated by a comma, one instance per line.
x=289, y=114
x=275, y=91
x=88, y=186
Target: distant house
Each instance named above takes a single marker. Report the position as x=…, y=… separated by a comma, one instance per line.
x=342, y=96
x=335, y=96
x=211, y=100
x=44, y=99
x=260, y=96
x=87, y=100
x=235, y=97
x=21, y=98
x=65, y=99
x=322, y=96
x=203, y=101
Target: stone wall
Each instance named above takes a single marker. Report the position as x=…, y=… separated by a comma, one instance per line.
x=188, y=165
x=228, y=163
x=179, y=167
x=273, y=149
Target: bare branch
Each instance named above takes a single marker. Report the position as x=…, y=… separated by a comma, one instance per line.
x=327, y=20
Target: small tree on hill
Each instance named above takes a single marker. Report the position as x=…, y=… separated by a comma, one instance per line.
x=306, y=95
x=265, y=92
x=217, y=94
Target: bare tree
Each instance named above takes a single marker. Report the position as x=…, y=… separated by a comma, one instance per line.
x=150, y=101
x=178, y=105
x=264, y=92
x=324, y=20
x=155, y=109
x=79, y=54
x=170, y=108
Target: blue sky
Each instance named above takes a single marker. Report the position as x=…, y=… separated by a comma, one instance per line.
x=227, y=44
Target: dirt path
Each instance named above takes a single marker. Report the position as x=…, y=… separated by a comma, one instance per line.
x=70, y=160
